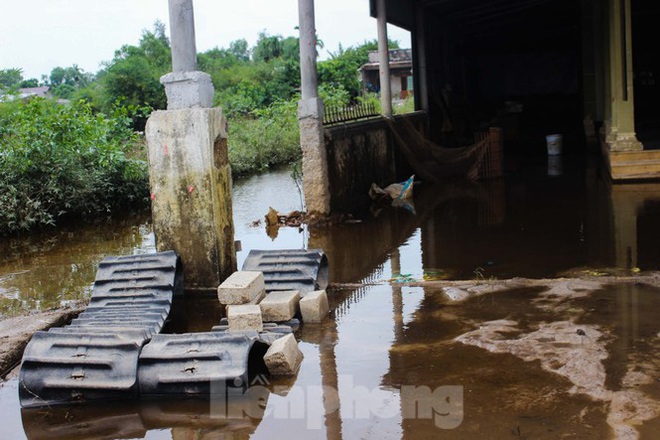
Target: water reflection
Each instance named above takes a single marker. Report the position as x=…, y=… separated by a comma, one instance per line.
x=384, y=338
x=529, y=224
x=52, y=269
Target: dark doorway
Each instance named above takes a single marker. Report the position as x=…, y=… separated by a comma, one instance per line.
x=646, y=71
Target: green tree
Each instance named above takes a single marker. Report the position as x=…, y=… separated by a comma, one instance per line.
x=133, y=76
x=239, y=48
x=26, y=83
x=10, y=77
x=341, y=70
x=268, y=47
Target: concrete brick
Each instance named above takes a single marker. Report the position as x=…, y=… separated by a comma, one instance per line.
x=314, y=306
x=241, y=287
x=283, y=358
x=280, y=306
x=244, y=317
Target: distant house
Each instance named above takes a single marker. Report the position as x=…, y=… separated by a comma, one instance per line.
x=401, y=75
x=29, y=92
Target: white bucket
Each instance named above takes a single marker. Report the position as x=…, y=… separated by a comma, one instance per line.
x=554, y=142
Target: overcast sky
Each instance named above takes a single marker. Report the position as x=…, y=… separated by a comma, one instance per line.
x=37, y=35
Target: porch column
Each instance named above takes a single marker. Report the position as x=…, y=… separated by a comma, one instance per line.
x=621, y=129
x=316, y=187
x=189, y=172
x=419, y=52
x=384, y=61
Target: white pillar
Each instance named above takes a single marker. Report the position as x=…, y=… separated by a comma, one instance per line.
x=316, y=186
x=308, y=72
x=384, y=61
x=182, y=36
x=185, y=87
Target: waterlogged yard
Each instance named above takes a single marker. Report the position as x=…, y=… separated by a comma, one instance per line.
x=431, y=333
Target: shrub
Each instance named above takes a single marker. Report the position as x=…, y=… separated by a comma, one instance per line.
x=58, y=161
x=267, y=137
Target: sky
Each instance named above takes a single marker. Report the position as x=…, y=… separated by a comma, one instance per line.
x=38, y=35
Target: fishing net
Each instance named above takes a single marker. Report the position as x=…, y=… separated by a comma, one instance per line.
x=433, y=162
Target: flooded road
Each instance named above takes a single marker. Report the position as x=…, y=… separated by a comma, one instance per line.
x=487, y=359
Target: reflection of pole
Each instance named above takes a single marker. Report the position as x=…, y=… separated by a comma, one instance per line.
x=397, y=298
x=384, y=61
x=624, y=210
x=330, y=382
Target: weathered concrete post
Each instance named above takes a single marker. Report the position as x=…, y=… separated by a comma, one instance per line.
x=384, y=60
x=189, y=169
x=316, y=186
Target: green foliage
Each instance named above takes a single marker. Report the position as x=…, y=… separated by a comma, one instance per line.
x=268, y=47
x=133, y=76
x=266, y=138
x=371, y=98
x=58, y=161
x=65, y=81
x=341, y=70
x=406, y=106
x=10, y=77
x=334, y=96
x=28, y=83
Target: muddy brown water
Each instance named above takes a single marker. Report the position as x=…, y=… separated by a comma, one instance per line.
x=389, y=345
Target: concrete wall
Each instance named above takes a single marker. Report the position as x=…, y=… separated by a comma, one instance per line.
x=359, y=154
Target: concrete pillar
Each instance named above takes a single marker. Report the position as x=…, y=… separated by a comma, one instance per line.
x=189, y=170
x=182, y=36
x=621, y=125
x=185, y=87
x=316, y=186
x=419, y=52
x=384, y=60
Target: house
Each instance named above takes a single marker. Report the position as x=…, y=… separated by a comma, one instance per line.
x=401, y=73
x=29, y=92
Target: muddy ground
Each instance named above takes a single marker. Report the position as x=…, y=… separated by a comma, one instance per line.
x=600, y=347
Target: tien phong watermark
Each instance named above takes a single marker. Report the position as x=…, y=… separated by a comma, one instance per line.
x=443, y=405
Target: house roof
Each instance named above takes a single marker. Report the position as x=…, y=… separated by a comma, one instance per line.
x=42, y=91
x=399, y=59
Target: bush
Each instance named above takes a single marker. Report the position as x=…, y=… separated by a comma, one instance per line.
x=58, y=161
x=267, y=137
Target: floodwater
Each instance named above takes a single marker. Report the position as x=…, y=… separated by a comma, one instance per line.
x=398, y=360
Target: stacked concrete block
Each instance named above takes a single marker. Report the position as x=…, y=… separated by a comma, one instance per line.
x=283, y=358
x=243, y=287
x=244, y=317
x=314, y=306
x=280, y=306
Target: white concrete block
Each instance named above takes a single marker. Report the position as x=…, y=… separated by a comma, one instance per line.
x=244, y=317
x=280, y=306
x=283, y=358
x=188, y=90
x=314, y=306
x=241, y=287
